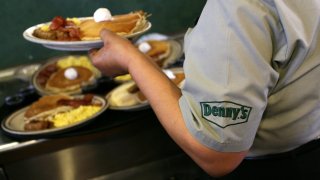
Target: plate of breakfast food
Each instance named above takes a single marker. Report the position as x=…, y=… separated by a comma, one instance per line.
x=65, y=74
x=127, y=96
x=83, y=33
x=54, y=114
x=164, y=52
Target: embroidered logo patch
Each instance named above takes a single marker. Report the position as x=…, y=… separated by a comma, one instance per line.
x=225, y=113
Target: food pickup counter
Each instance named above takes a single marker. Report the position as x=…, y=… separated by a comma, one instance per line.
x=117, y=144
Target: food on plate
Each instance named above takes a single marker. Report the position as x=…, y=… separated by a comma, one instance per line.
x=128, y=94
x=59, y=29
x=55, y=111
x=67, y=75
x=123, y=24
x=121, y=96
x=45, y=106
x=157, y=50
x=62, y=81
x=77, y=29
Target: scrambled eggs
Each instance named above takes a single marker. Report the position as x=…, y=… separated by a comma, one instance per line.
x=73, y=116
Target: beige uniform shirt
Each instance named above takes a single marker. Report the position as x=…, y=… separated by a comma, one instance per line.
x=252, y=75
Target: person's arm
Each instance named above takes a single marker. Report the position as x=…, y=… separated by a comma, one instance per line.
x=119, y=56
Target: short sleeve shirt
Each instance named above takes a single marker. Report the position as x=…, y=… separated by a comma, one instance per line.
x=252, y=69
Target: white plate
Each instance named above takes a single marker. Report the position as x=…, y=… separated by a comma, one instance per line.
x=131, y=102
x=72, y=45
x=14, y=124
x=133, y=99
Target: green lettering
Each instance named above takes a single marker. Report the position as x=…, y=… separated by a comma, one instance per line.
x=222, y=112
x=229, y=112
x=244, y=113
x=235, y=113
x=215, y=111
x=206, y=109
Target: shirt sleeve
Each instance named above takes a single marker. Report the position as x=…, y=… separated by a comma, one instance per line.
x=228, y=73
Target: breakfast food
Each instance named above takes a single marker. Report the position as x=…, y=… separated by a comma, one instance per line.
x=157, y=50
x=75, y=29
x=59, y=29
x=67, y=75
x=128, y=94
x=64, y=81
x=124, y=24
x=59, y=110
x=122, y=96
x=45, y=106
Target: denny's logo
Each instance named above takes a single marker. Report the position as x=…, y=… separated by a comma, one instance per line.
x=225, y=113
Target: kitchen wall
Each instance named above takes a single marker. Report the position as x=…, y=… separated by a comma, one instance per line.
x=168, y=17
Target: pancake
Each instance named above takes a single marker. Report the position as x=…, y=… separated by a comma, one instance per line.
x=59, y=83
x=124, y=24
x=160, y=50
x=46, y=105
x=54, y=111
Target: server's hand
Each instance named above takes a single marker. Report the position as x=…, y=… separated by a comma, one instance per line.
x=114, y=57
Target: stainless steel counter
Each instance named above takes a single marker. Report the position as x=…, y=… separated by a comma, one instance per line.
x=116, y=145
x=90, y=153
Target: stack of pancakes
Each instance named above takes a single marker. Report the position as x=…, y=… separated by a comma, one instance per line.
x=123, y=25
x=159, y=51
x=58, y=83
x=51, y=78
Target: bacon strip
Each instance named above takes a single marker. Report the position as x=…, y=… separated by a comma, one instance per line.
x=87, y=100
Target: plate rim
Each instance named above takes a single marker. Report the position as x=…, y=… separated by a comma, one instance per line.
x=52, y=131
x=139, y=106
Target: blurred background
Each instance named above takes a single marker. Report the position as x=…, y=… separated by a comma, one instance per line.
x=168, y=17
